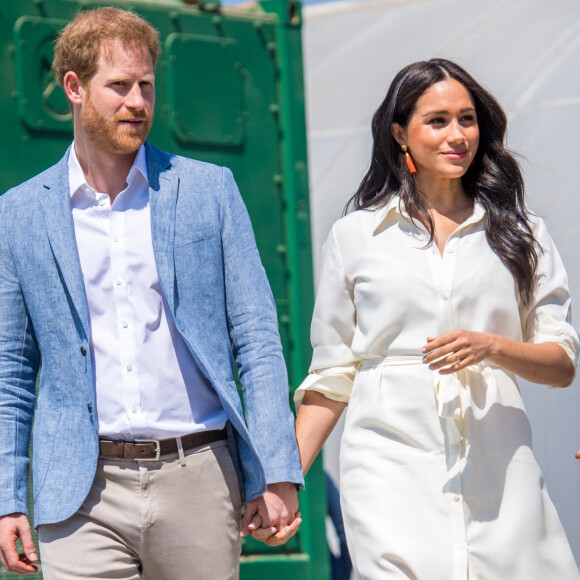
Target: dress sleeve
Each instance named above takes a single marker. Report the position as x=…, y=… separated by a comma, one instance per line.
x=333, y=364
x=549, y=318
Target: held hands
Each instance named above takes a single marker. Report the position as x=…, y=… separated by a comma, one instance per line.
x=13, y=527
x=273, y=517
x=454, y=350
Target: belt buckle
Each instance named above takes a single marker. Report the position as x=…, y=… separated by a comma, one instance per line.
x=157, y=449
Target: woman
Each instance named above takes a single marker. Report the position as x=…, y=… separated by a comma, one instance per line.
x=434, y=294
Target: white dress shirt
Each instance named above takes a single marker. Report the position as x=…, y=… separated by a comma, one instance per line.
x=146, y=380
x=437, y=475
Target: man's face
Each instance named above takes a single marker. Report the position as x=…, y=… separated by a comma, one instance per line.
x=118, y=106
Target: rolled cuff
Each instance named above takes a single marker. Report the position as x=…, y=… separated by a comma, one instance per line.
x=334, y=383
x=548, y=329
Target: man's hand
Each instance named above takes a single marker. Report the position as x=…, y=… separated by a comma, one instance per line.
x=273, y=517
x=13, y=527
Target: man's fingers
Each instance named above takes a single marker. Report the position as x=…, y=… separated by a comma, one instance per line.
x=263, y=534
x=27, y=543
x=249, y=514
x=285, y=534
x=255, y=523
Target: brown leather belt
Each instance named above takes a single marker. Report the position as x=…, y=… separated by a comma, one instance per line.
x=153, y=449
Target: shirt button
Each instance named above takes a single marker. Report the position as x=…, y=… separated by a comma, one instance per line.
x=125, y=324
x=83, y=351
x=102, y=202
x=444, y=297
x=450, y=251
x=119, y=281
x=133, y=409
x=115, y=239
x=129, y=368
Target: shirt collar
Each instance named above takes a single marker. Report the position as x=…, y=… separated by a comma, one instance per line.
x=76, y=177
x=396, y=207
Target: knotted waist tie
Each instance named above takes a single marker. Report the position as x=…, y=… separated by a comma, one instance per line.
x=450, y=390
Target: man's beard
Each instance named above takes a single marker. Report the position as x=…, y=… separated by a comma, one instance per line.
x=112, y=136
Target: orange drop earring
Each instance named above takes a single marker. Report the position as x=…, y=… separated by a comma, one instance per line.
x=409, y=160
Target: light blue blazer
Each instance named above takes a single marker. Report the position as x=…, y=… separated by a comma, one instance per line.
x=216, y=288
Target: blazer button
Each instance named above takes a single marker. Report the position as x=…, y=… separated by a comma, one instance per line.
x=83, y=351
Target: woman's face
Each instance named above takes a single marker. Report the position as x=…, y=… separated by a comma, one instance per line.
x=442, y=134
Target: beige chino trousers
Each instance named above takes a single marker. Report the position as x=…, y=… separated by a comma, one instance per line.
x=175, y=519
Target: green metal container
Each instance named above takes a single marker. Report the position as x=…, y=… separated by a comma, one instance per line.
x=229, y=91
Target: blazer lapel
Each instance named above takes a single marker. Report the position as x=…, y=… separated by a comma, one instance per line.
x=57, y=215
x=163, y=188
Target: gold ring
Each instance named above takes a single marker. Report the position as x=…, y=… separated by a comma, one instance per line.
x=458, y=359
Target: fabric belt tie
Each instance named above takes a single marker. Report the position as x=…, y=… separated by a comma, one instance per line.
x=155, y=449
x=449, y=389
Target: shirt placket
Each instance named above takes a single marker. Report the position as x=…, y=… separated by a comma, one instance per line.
x=443, y=270
x=124, y=316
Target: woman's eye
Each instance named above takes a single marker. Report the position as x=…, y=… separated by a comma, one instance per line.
x=436, y=121
x=468, y=119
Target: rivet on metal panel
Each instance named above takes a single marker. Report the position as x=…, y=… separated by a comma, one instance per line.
x=25, y=138
x=258, y=24
x=274, y=108
x=225, y=45
x=11, y=49
x=173, y=15
x=173, y=58
x=243, y=72
x=40, y=123
x=281, y=249
x=285, y=319
x=238, y=65
x=216, y=20
x=271, y=47
x=14, y=94
x=22, y=43
x=165, y=108
x=228, y=138
x=277, y=178
x=26, y=101
x=240, y=120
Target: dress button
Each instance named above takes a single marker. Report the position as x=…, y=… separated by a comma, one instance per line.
x=102, y=202
x=444, y=297
x=118, y=281
x=133, y=409
x=115, y=239
x=456, y=499
x=129, y=367
x=83, y=351
x=450, y=251
x=125, y=324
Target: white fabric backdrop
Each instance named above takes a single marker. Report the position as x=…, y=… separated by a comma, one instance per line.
x=527, y=53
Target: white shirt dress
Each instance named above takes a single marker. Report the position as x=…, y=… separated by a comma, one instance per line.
x=437, y=476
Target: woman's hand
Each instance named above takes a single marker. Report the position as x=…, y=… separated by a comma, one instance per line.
x=454, y=350
x=546, y=363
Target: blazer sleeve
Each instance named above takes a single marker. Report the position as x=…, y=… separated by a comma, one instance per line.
x=19, y=364
x=253, y=328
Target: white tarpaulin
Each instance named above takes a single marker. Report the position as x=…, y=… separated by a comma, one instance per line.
x=527, y=53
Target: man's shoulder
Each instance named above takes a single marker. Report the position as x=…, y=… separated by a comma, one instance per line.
x=31, y=187
x=172, y=161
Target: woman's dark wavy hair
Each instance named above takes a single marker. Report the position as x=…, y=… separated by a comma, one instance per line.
x=494, y=179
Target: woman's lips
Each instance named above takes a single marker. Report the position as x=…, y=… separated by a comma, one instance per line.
x=455, y=154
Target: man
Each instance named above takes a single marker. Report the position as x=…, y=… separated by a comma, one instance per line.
x=133, y=275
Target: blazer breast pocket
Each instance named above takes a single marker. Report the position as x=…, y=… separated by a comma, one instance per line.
x=197, y=251
x=195, y=235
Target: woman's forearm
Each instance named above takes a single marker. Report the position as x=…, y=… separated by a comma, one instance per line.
x=316, y=419
x=546, y=363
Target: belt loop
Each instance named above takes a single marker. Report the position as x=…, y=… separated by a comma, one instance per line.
x=180, y=451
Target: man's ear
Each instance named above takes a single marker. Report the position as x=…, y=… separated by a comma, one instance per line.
x=398, y=133
x=73, y=88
